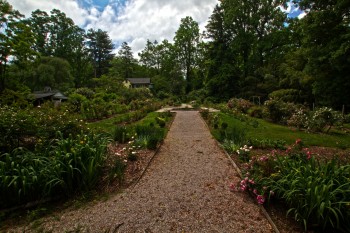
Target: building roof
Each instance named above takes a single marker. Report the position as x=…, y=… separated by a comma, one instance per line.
x=139, y=80
x=44, y=94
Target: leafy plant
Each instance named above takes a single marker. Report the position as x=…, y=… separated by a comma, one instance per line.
x=318, y=194
x=121, y=134
x=118, y=170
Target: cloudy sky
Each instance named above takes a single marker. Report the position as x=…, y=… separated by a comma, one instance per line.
x=133, y=21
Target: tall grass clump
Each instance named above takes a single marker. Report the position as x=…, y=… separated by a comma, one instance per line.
x=152, y=134
x=122, y=134
x=68, y=165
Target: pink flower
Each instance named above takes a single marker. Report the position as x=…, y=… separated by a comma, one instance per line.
x=261, y=199
x=233, y=187
x=255, y=192
x=243, y=187
x=252, y=181
x=298, y=141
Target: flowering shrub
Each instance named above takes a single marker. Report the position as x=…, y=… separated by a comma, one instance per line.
x=322, y=118
x=240, y=104
x=298, y=119
x=30, y=128
x=243, y=153
x=316, y=193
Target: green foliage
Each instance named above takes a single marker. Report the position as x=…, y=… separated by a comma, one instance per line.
x=65, y=167
x=268, y=143
x=279, y=111
x=100, y=49
x=285, y=95
x=52, y=72
x=317, y=193
x=34, y=128
x=257, y=111
x=234, y=133
x=186, y=40
x=76, y=101
x=230, y=146
x=14, y=98
x=118, y=170
x=122, y=134
x=265, y=131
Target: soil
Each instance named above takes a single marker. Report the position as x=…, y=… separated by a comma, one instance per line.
x=185, y=188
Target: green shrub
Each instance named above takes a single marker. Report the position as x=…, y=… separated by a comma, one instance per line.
x=161, y=122
x=122, y=134
x=88, y=93
x=285, y=95
x=153, y=135
x=279, y=111
x=153, y=141
x=76, y=101
x=257, y=111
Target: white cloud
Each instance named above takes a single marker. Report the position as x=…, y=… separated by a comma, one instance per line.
x=134, y=22
x=70, y=7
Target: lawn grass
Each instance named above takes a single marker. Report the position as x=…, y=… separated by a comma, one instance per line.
x=267, y=130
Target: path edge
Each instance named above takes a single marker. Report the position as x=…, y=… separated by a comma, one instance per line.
x=238, y=170
x=153, y=156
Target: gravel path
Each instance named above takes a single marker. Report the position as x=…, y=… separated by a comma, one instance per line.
x=185, y=189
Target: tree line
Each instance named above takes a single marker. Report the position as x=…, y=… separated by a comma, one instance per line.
x=250, y=49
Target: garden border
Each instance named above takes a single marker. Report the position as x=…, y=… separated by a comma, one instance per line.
x=238, y=170
x=153, y=156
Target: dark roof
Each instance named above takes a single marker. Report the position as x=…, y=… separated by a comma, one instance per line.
x=139, y=80
x=43, y=94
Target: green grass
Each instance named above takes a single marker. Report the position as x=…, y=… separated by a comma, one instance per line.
x=267, y=130
x=107, y=125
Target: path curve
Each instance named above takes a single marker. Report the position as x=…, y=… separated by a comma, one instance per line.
x=185, y=189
